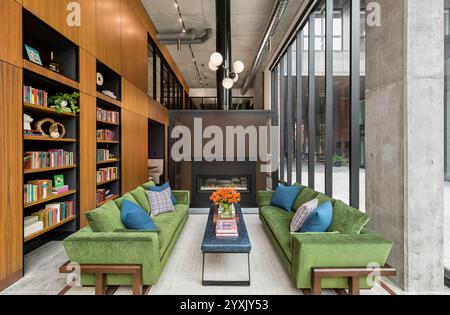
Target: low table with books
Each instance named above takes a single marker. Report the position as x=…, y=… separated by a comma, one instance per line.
x=226, y=236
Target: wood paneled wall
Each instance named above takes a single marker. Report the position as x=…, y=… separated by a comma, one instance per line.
x=11, y=168
x=113, y=31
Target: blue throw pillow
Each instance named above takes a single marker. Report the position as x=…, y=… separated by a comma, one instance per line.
x=319, y=220
x=161, y=188
x=284, y=196
x=136, y=218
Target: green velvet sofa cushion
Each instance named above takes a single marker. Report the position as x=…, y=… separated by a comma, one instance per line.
x=324, y=198
x=148, y=184
x=141, y=197
x=105, y=219
x=182, y=196
x=265, y=197
x=347, y=220
x=306, y=194
x=168, y=223
x=336, y=250
x=279, y=222
x=126, y=196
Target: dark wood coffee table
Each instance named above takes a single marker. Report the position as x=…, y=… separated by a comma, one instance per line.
x=214, y=245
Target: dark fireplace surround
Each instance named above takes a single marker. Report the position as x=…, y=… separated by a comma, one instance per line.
x=222, y=173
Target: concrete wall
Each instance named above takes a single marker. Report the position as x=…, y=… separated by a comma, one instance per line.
x=404, y=138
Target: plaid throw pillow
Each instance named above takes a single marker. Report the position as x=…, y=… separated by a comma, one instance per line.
x=302, y=214
x=160, y=201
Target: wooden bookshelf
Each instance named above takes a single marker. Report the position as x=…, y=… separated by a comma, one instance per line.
x=48, y=229
x=108, y=181
x=51, y=198
x=48, y=169
x=107, y=200
x=46, y=110
x=108, y=162
x=39, y=138
x=44, y=72
x=106, y=123
x=108, y=99
x=45, y=39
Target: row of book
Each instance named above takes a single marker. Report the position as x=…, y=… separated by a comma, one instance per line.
x=49, y=159
x=51, y=215
x=107, y=174
x=104, y=195
x=103, y=155
x=107, y=115
x=105, y=135
x=227, y=228
x=35, y=96
x=41, y=189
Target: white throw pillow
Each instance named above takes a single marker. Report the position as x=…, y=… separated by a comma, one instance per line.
x=302, y=214
x=160, y=201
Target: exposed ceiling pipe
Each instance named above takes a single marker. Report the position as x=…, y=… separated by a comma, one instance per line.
x=277, y=13
x=190, y=37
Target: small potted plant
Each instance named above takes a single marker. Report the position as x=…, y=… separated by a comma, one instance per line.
x=65, y=102
x=224, y=198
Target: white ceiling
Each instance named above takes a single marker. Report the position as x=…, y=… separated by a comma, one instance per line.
x=248, y=20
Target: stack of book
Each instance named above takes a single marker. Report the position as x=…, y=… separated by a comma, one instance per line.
x=32, y=133
x=107, y=115
x=35, y=96
x=55, y=213
x=103, y=155
x=227, y=228
x=60, y=190
x=37, y=189
x=32, y=225
x=49, y=159
x=105, y=135
x=107, y=174
x=104, y=195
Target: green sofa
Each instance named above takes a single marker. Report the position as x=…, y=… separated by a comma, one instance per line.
x=149, y=249
x=300, y=252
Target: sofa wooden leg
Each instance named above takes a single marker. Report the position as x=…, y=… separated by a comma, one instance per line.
x=353, y=285
x=316, y=284
x=100, y=284
x=137, y=283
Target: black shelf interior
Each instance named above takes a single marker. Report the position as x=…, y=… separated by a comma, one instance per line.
x=111, y=80
x=44, y=39
x=114, y=187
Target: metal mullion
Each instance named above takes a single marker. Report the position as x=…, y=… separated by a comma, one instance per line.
x=275, y=94
x=329, y=124
x=355, y=136
x=299, y=107
x=282, y=118
x=289, y=112
x=312, y=103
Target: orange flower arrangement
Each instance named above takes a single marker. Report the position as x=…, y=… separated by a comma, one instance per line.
x=225, y=196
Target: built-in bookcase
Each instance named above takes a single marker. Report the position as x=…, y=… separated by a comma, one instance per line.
x=46, y=82
x=108, y=155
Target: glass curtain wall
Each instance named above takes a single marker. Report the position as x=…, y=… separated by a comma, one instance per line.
x=320, y=101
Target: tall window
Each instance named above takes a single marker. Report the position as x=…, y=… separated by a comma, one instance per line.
x=319, y=77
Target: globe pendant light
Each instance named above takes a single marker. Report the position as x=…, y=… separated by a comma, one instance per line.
x=227, y=83
x=212, y=67
x=238, y=66
x=216, y=59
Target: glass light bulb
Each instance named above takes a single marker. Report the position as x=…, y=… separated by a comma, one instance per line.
x=236, y=78
x=238, y=66
x=216, y=59
x=212, y=67
x=227, y=83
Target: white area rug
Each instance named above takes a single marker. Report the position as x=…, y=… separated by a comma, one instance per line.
x=182, y=274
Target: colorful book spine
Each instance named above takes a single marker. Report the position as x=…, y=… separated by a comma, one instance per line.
x=107, y=115
x=50, y=159
x=105, y=135
x=35, y=96
x=107, y=174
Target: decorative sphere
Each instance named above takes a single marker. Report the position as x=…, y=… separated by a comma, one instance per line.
x=216, y=59
x=212, y=67
x=236, y=78
x=238, y=66
x=227, y=83
x=55, y=135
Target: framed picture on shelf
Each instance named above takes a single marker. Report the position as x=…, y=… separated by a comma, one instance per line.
x=59, y=181
x=33, y=55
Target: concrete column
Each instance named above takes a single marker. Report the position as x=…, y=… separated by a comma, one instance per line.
x=405, y=138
